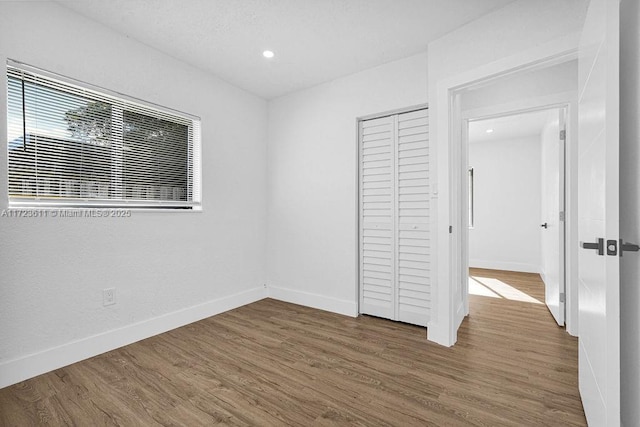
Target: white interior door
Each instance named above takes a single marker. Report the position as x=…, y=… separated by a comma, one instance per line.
x=598, y=223
x=414, y=243
x=553, y=229
x=377, y=217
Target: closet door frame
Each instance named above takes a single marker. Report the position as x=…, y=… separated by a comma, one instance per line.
x=359, y=204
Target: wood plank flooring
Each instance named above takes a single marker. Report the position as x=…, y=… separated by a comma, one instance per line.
x=272, y=363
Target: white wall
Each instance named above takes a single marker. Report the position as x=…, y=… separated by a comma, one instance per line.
x=521, y=32
x=507, y=189
x=312, y=157
x=629, y=210
x=169, y=268
x=533, y=84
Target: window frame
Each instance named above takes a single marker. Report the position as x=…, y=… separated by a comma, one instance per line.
x=193, y=146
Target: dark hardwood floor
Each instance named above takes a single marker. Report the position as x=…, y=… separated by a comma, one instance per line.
x=274, y=363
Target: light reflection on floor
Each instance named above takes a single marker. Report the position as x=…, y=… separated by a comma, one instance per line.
x=494, y=288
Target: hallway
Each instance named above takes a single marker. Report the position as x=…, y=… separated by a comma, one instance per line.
x=509, y=323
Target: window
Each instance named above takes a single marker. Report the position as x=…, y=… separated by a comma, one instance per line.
x=470, y=183
x=70, y=144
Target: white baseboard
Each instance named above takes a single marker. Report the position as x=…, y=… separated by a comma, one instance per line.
x=504, y=265
x=543, y=275
x=321, y=302
x=14, y=371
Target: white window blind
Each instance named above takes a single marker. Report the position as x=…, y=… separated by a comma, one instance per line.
x=72, y=144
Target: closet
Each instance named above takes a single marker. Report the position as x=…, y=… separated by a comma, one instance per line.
x=395, y=250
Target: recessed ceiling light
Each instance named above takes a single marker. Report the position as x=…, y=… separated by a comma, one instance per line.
x=268, y=54
x=489, y=130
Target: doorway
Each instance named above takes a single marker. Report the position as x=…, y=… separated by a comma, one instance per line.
x=547, y=85
x=516, y=200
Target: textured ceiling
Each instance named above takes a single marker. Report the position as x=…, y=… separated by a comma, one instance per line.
x=314, y=40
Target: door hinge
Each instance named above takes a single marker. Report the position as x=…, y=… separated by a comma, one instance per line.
x=562, y=297
x=563, y=135
x=561, y=215
x=612, y=247
x=450, y=229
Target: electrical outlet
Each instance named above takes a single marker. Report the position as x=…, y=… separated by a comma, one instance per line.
x=109, y=296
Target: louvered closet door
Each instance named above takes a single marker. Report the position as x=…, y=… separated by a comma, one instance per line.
x=394, y=217
x=377, y=292
x=413, y=244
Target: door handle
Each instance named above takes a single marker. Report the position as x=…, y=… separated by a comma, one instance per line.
x=545, y=225
x=599, y=246
x=629, y=247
